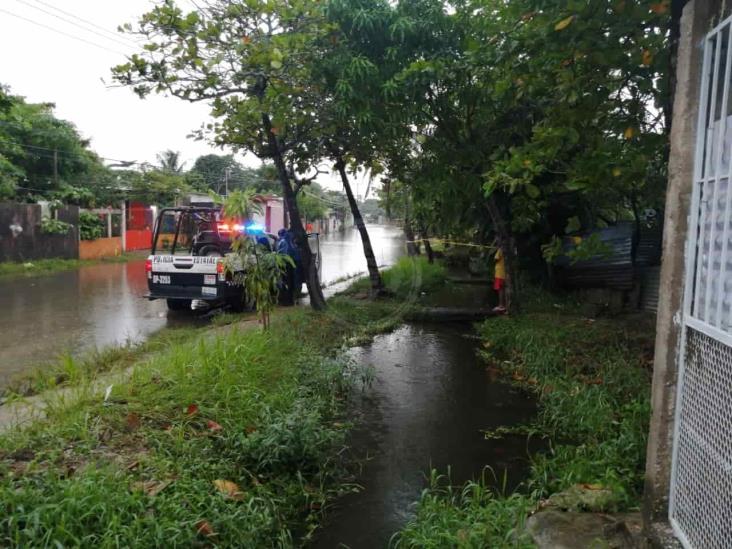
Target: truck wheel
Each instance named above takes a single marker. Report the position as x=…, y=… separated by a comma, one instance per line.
x=179, y=304
x=240, y=304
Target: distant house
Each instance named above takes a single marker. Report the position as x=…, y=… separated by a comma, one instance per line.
x=273, y=216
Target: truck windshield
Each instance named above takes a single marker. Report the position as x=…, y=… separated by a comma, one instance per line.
x=191, y=232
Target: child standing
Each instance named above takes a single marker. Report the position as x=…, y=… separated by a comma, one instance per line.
x=499, y=281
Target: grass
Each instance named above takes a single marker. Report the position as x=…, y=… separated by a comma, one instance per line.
x=407, y=278
x=229, y=438
x=49, y=266
x=592, y=380
x=68, y=370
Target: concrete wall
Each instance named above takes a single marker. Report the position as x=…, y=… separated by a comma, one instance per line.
x=698, y=18
x=100, y=248
x=30, y=243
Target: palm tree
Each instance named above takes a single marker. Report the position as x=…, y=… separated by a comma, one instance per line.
x=169, y=162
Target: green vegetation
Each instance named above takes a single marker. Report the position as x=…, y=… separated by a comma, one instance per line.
x=91, y=226
x=407, y=278
x=68, y=371
x=592, y=380
x=216, y=440
x=471, y=516
x=40, y=267
x=412, y=275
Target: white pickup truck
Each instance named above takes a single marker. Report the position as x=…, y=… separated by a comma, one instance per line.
x=186, y=262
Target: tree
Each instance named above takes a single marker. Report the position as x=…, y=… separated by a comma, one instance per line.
x=528, y=119
x=311, y=205
x=40, y=154
x=169, y=162
x=242, y=58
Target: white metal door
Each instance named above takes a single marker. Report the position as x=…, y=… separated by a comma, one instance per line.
x=701, y=483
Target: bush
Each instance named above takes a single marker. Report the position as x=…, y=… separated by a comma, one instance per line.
x=91, y=226
x=412, y=275
x=54, y=226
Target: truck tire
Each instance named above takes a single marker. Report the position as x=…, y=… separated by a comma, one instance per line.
x=179, y=304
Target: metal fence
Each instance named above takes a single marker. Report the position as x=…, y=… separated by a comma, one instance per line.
x=700, y=508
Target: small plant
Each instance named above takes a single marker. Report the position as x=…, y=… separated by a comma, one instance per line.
x=90, y=226
x=263, y=269
x=54, y=226
x=262, y=274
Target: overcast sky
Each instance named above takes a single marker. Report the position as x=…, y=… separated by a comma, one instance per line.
x=61, y=51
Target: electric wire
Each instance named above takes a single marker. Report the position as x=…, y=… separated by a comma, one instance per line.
x=87, y=22
x=71, y=22
x=67, y=35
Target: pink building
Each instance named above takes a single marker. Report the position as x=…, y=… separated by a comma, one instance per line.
x=273, y=215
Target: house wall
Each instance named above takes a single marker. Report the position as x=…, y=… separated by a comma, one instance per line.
x=275, y=220
x=697, y=19
x=31, y=243
x=100, y=248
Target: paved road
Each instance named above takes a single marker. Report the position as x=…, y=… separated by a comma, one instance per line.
x=94, y=307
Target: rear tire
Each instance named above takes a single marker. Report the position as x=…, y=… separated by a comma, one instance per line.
x=179, y=304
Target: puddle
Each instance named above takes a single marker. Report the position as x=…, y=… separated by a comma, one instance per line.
x=429, y=401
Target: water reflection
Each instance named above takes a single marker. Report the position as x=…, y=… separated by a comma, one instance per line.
x=430, y=400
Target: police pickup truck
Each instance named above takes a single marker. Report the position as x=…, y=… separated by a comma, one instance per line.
x=186, y=263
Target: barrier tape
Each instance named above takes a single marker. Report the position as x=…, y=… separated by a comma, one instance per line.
x=454, y=243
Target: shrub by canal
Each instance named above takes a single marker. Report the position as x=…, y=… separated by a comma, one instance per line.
x=227, y=440
x=592, y=379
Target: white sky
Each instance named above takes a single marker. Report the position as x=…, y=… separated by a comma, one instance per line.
x=74, y=73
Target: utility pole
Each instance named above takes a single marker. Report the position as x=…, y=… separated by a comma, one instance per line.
x=55, y=167
x=227, y=172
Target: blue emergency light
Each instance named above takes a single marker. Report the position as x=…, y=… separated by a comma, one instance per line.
x=255, y=228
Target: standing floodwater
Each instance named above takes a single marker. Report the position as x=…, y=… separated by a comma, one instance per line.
x=343, y=250
x=429, y=401
x=102, y=305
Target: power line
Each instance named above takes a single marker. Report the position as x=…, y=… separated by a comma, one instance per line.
x=52, y=29
x=324, y=200
x=71, y=22
x=78, y=155
x=86, y=21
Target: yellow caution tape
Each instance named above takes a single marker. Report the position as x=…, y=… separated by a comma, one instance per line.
x=453, y=242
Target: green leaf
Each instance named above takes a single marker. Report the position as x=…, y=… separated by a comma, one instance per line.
x=532, y=190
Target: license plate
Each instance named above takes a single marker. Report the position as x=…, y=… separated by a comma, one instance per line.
x=209, y=279
x=208, y=291
x=161, y=279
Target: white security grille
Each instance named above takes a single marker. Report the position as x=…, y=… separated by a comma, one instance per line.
x=701, y=483
x=703, y=486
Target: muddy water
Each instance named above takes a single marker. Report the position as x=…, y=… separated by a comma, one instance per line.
x=99, y=306
x=426, y=408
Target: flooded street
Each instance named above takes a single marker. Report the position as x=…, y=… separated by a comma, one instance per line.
x=102, y=305
x=343, y=252
x=429, y=401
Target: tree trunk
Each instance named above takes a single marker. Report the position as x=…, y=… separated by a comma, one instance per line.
x=412, y=249
x=317, y=300
x=506, y=243
x=377, y=285
x=427, y=246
